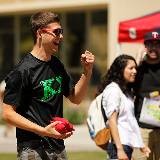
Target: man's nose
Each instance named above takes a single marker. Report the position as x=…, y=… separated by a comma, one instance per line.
x=61, y=36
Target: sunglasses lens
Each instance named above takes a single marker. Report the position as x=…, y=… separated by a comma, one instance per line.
x=58, y=31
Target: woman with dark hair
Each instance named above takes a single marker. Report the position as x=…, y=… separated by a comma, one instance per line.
x=118, y=103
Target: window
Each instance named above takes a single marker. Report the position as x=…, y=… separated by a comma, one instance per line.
x=6, y=45
x=86, y=30
x=26, y=41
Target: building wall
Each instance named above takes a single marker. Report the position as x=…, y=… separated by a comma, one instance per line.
x=30, y=6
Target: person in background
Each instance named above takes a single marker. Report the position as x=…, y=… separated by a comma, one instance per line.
x=118, y=103
x=35, y=89
x=9, y=129
x=146, y=85
x=2, y=88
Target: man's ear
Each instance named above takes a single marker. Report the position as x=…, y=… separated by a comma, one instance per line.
x=39, y=32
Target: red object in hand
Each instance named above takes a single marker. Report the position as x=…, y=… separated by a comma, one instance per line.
x=63, y=127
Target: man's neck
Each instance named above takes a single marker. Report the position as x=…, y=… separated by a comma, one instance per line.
x=150, y=61
x=40, y=53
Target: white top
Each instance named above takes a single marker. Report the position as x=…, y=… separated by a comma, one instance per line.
x=114, y=100
x=2, y=86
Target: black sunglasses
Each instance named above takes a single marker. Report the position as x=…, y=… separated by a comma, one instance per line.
x=57, y=31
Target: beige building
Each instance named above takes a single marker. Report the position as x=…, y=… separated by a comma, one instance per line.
x=88, y=24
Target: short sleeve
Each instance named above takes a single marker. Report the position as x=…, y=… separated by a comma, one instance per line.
x=14, y=90
x=111, y=100
x=68, y=86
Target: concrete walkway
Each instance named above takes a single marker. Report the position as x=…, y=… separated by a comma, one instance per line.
x=80, y=141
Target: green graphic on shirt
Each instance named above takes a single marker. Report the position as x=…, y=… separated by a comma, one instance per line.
x=47, y=87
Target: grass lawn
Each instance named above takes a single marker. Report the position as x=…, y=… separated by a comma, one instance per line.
x=7, y=156
x=71, y=156
x=87, y=155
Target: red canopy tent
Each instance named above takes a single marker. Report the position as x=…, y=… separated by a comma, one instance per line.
x=134, y=30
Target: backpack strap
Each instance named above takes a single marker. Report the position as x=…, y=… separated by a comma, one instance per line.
x=103, y=112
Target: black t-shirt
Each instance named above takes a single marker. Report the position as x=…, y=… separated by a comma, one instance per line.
x=147, y=80
x=36, y=89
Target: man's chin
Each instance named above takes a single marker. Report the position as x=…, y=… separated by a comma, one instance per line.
x=54, y=51
x=153, y=56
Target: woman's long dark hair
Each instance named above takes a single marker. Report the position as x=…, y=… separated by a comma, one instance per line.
x=116, y=74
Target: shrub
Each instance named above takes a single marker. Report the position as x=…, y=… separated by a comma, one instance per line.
x=75, y=115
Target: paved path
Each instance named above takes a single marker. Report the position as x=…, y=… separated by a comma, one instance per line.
x=80, y=141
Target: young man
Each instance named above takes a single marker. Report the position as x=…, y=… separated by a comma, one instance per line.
x=148, y=81
x=35, y=88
